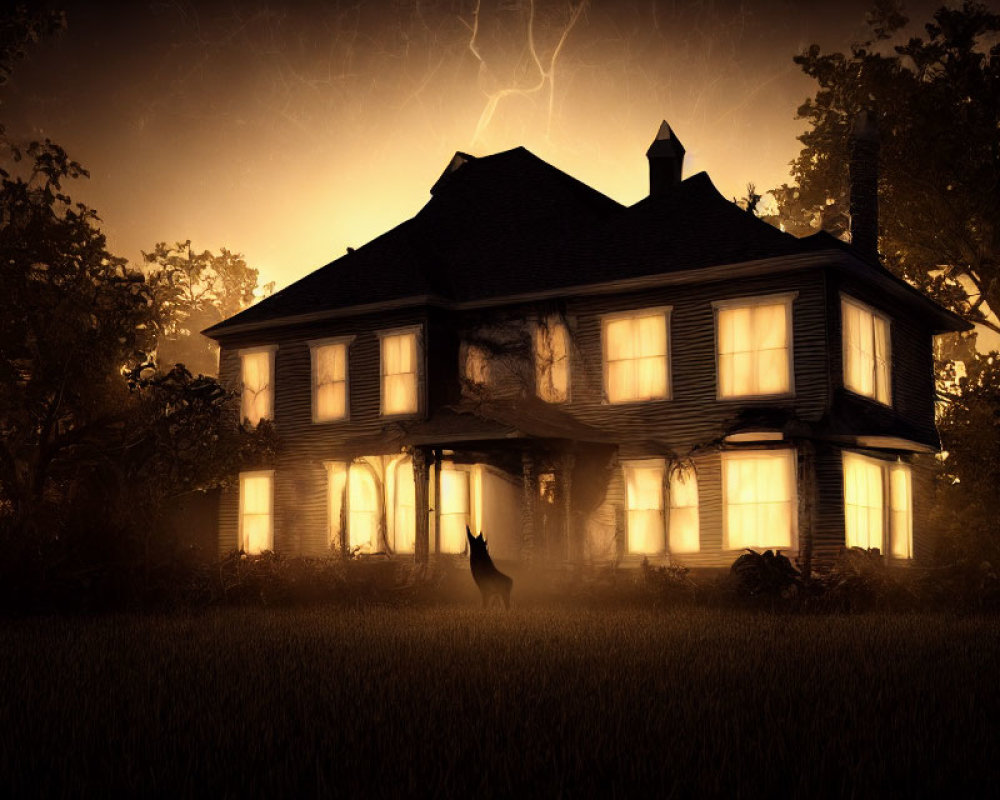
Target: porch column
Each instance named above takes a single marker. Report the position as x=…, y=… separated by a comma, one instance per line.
x=421, y=506
x=529, y=491
x=437, y=501
x=568, y=549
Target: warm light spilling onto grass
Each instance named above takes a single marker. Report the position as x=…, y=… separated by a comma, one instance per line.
x=635, y=348
x=758, y=494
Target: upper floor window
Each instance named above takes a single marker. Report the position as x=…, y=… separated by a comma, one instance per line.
x=400, y=371
x=866, y=350
x=551, y=350
x=475, y=364
x=759, y=499
x=868, y=482
x=329, y=379
x=636, y=363
x=257, y=378
x=754, y=346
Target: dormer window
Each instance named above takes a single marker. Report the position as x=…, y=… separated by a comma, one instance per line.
x=754, y=346
x=257, y=379
x=329, y=379
x=867, y=351
x=636, y=364
x=400, y=371
x=551, y=352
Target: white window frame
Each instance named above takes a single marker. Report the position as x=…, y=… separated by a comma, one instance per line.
x=786, y=298
x=888, y=542
x=846, y=299
x=418, y=331
x=790, y=453
x=270, y=350
x=666, y=312
x=314, y=345
x=260, y=473
x=549, y=322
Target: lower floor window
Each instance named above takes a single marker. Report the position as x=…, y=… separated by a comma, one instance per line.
x=871, y=486
x=256, y=511
x=758, y=490
x=454, y=511
x=644, y=506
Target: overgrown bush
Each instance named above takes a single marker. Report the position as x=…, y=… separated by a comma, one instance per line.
x=861, y=580
x=767, y=578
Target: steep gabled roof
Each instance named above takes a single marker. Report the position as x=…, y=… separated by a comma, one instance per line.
x=511, y=224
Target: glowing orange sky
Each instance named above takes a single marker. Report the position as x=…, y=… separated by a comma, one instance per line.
x=291, y=132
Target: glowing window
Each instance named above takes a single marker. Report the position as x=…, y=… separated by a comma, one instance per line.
x=256, y=511
x=864, y=502
x=329, y=380
x=476, y=365
x=363, y=509
x=336, y=486
x=256, y=375
x=644, y=506
x=684, y=522
x=758, y=488
x=551, y=347
x=403, y=526
x=454, y=512
x=867, y=484
x=753, y=340
x=901, y=505
x=635, y=356
x=399, y=372
x=866, y=351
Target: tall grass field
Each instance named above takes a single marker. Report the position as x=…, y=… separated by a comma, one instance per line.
x=539, y=702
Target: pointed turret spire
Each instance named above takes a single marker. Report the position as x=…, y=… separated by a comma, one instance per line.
x=666, y=161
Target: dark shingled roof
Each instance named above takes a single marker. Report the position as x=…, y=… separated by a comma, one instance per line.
x=510, y=223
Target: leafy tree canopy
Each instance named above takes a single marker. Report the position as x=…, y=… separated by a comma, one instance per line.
x=192, y=291
x=937, y=99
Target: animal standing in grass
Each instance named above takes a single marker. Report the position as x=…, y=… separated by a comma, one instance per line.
x=491, y=581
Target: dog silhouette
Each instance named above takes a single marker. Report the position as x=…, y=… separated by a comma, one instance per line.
x=491, y=581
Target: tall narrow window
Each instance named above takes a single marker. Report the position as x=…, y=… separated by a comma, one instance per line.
x=551, y=346
x=403, y=527
x=635, y=356
x=476, y=365
x=363, y=508
x=864, y=502
x=901, y=495
x=684, y=524
x=454, y=512
x=329, y=379
x=257, y=377
x=753, y=339
x=336, y=502
x=758, y=488
x=257, y=511
x=644, y=506
x=867, y=351
x=400, y=372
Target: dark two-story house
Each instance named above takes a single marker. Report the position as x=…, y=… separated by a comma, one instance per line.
x=587, y=382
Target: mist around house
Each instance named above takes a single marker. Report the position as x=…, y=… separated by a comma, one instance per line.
x=142, y=657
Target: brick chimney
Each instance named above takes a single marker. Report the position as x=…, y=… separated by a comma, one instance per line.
x=864, y=147
x=666, y=161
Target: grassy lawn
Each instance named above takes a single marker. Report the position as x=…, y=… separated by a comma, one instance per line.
x=443, y=701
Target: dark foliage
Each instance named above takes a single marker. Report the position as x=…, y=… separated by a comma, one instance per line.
x=768, y=577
